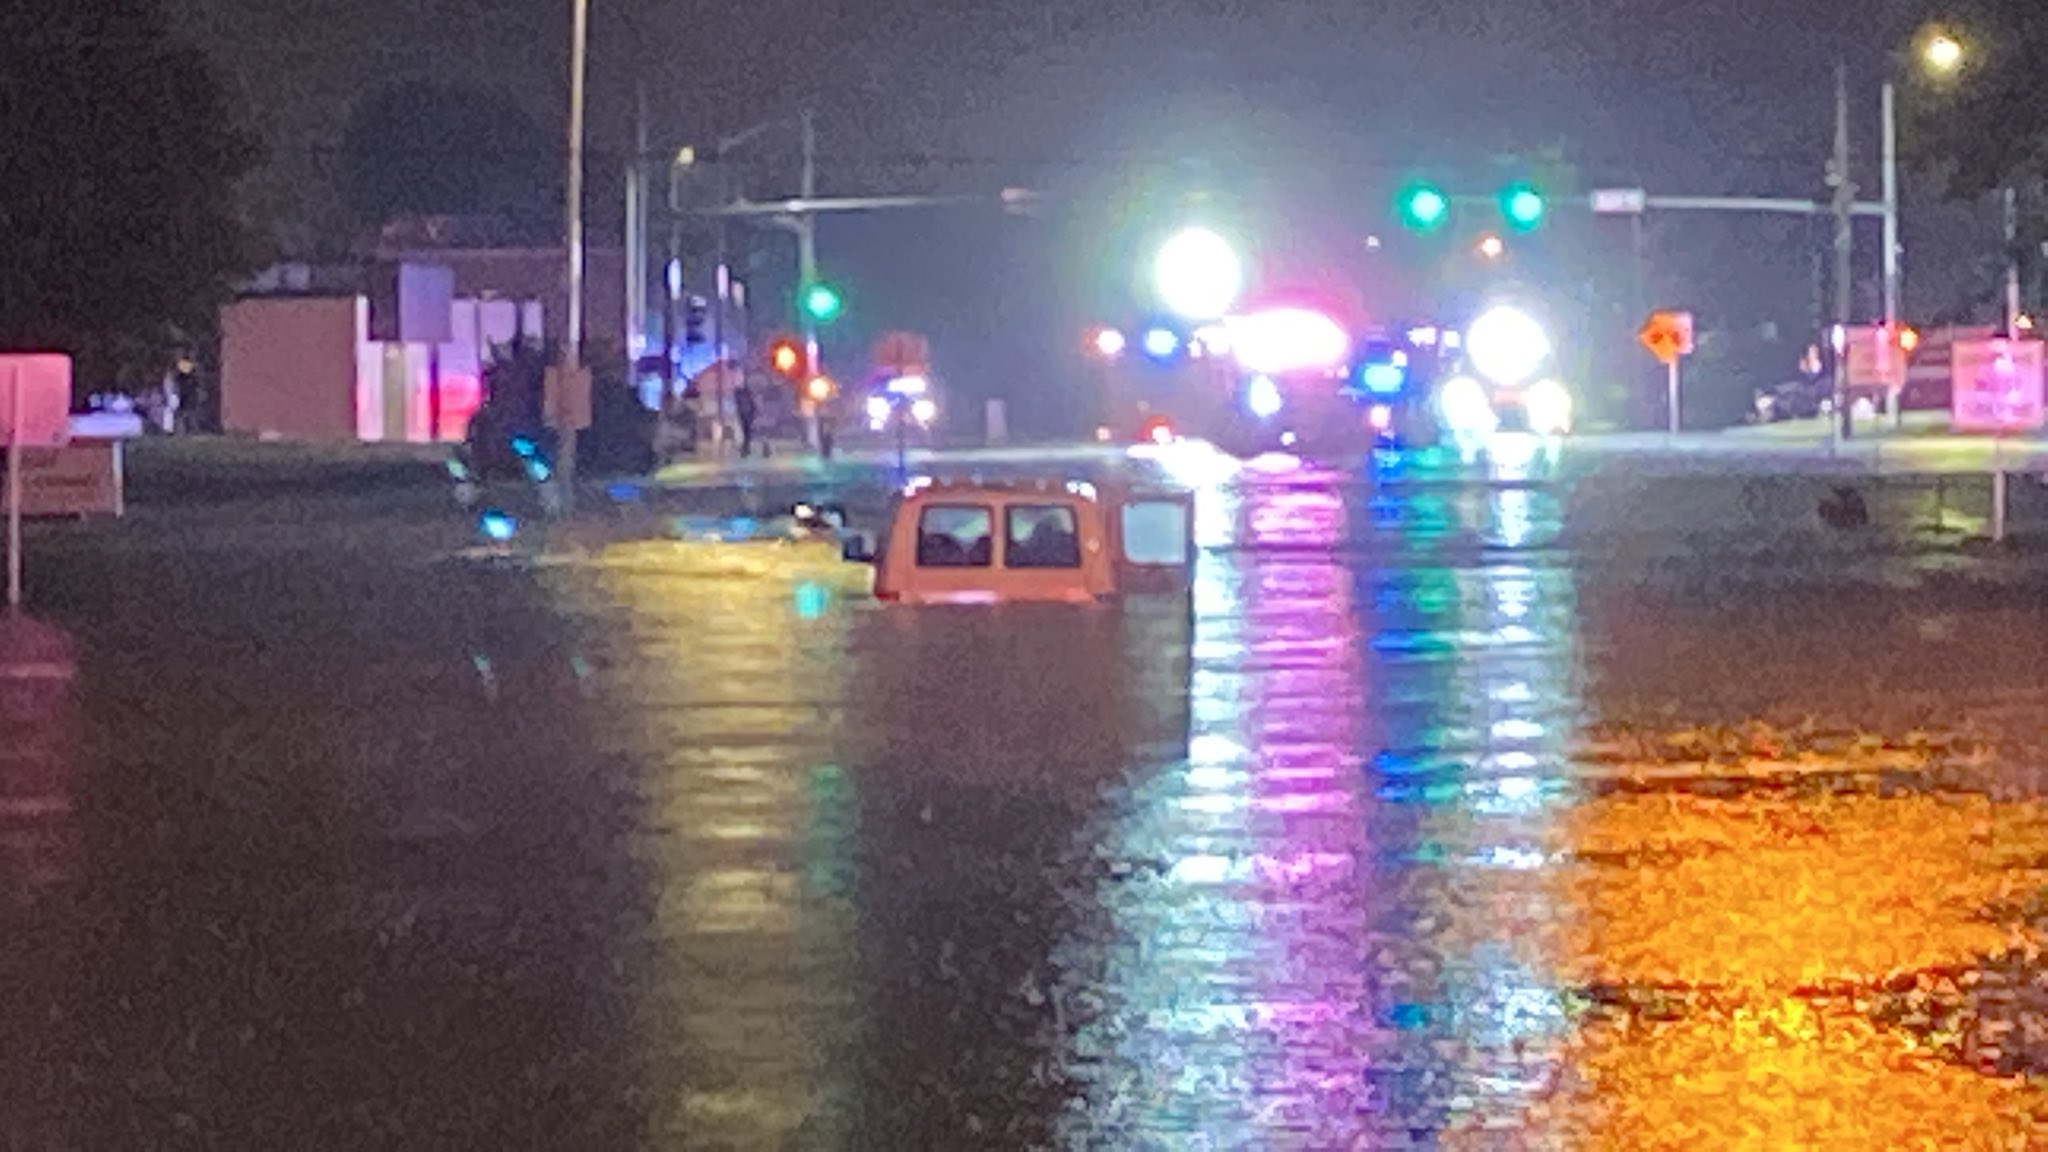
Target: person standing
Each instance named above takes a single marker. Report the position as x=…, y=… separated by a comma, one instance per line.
x=747, y=408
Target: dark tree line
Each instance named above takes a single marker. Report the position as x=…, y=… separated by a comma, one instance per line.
x=120, y=162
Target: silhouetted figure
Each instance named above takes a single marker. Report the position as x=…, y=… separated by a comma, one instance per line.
x=748, y=409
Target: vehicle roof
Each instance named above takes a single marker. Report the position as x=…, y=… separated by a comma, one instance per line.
x=1002, y=490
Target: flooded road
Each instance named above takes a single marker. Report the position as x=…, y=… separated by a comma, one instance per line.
x=1442, y=816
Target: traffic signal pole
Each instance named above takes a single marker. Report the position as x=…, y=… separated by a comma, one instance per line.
x=807, y=275
x=807, y=239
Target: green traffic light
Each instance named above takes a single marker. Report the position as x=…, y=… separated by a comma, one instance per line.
x=1522, y=205
x=1425, y=208
x=821, y=302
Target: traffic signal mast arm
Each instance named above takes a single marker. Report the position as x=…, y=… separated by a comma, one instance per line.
x=1788, y=206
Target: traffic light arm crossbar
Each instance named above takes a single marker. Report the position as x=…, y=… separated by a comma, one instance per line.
x=801, y=206
x=1780, y=206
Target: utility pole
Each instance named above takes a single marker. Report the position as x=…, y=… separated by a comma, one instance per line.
x=2012, y=262
x=636, y=229
x=571, y=367
x=1894, y=358
x=1844, y=210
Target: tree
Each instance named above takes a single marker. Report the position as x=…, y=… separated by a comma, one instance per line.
x=118, y=186
x=425, y=148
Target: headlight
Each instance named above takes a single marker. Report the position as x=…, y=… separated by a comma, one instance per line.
x=924, y=411
x=878, y=410
x=1549, y=407
x=1262, y=397
x=1507, y=345
x=1465, y=407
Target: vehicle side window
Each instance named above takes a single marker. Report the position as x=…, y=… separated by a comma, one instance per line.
x=1041, y=536
x=1155, y=534
x=955, y=536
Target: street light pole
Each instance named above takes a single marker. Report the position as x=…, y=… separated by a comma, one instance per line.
x=579, y=50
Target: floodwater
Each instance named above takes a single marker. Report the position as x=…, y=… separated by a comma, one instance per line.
x=1440, y=816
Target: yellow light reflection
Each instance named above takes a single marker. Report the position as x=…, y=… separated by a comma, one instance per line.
x=728, y=659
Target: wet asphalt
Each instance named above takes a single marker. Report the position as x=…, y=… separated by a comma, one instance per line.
x=1592, y=812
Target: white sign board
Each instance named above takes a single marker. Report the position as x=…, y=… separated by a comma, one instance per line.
x=1996, y=385
x=1620, y=201
x=35, y=400
x=82, y=478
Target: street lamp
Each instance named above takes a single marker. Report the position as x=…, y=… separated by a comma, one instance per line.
x=1943, y=54
x=1198, y=274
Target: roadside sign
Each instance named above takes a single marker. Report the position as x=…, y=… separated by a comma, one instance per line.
x=902, y=354
x=1620, y=201
x=83, y=478
x=1872, y=359
x=35, y=411
x=1668, y=335
x=35, y=400
x=1995, y=386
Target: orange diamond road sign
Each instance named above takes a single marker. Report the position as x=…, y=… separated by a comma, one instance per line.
x=1668, y=335
x=902, y=353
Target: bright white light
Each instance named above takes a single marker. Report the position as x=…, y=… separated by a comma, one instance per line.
x=1198, y=274
x=878, y=410
x=1507, y=345
x=1465, y=407
x=1109, y=343
x=1213, y=339
x=1262, y=398
x=923, y=411
x=1161, y=343
x=1944, y=53
x=908, y=386
x=1285, y=340
x=1549, y=407
x=1381, y=417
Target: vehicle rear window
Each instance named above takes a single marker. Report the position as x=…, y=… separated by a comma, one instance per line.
x=955, y=536
x=1041, y=536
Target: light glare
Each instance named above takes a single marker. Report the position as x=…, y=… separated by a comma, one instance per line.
x=1507, y=345
x=1198, y=274
x=1285, y=340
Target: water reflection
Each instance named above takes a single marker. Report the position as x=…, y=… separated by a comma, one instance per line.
x=735, y=689
x=1337, y=941
x=40, y=770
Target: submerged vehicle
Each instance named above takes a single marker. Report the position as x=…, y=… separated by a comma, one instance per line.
x=1058, y=542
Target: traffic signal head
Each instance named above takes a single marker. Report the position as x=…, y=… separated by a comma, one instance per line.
x=1522, y=205
x=1424, y=207
x=821, y=302
x=786, y=357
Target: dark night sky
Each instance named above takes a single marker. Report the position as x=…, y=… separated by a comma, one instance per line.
x=1319, y=106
